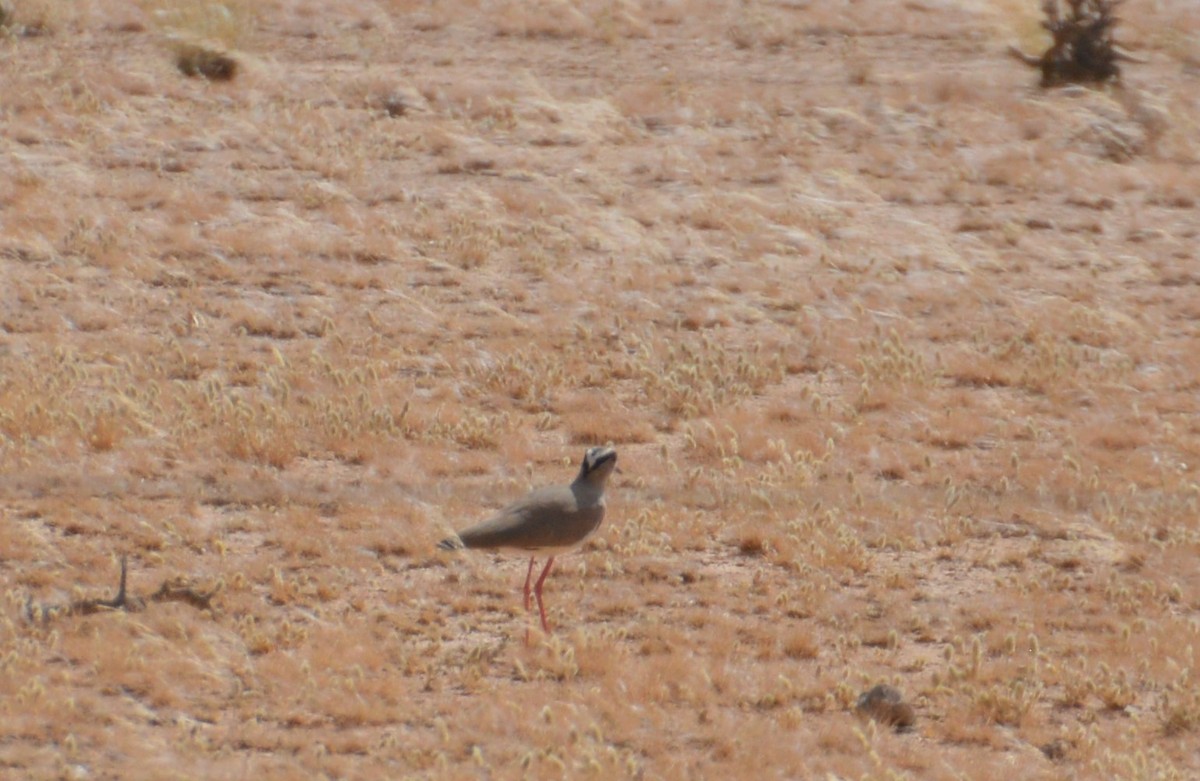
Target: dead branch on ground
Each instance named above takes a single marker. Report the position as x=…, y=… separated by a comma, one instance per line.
x=172, y=590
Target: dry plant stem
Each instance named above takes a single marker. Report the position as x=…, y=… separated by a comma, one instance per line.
x=529, y=581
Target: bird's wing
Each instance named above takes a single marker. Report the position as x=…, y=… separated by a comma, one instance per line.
x=547, y=518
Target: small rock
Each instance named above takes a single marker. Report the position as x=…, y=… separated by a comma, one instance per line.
x=1055, y=750
x=885, y=705
x=194, y=60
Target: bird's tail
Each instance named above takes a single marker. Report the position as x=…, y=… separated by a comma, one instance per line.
x=451, y=543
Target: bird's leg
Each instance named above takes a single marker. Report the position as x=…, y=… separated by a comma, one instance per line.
x=537, y=590
x=528, y=576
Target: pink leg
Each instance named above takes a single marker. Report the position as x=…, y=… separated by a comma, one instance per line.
x=537, y=590
x=528, y=575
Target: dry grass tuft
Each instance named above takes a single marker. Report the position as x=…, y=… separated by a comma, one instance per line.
x=228, y=23
x=31, y=18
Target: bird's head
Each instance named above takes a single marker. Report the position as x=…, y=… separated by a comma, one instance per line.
x=598, y=464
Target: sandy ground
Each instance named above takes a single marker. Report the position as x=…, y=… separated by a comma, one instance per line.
x=897, y=349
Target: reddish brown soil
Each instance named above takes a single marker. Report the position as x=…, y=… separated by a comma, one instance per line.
x=898, y=351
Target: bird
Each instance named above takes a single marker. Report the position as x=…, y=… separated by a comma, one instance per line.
x=549, y=521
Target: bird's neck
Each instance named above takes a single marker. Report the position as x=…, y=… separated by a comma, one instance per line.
x=587, y=492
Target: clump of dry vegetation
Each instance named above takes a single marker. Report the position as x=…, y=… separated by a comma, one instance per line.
x=1082, y=49
x=902, y=375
